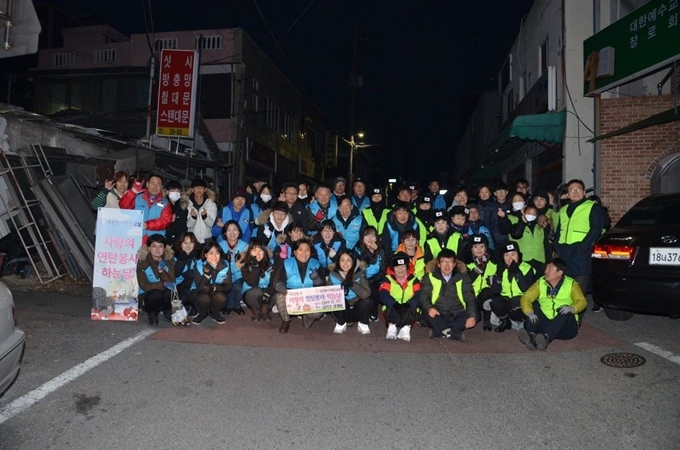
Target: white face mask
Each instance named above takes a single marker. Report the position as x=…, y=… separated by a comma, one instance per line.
x=265, y=197
x=530, y=217
x=174, y=196
x=302, y=197
x=517, y=206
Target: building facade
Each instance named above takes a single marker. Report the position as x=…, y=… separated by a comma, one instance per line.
x=253, y=120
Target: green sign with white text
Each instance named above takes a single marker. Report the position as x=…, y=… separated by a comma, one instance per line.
x=638, y=44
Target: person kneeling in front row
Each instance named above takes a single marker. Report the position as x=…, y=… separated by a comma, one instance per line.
x=447, y=298
x=400, y=295
x=551, y=305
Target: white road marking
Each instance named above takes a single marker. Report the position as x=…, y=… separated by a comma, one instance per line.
x=26, y=401
x=659, y=351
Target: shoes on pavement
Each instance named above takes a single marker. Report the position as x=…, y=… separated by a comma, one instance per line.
x=596, y=308
x=307, y=321
x=373, y=318
x=264, y=313
x=283, y=329
x=199, y=318
x=217, y=317
x=391, y=331
x=505, y=324
x=239, y=311
x=541, y=341
x=527, y=339
x=167, y=316
x=487, y=325
x=457, y=336
x=339, y=329
x=405, y=333
x=446, y=333
x=363, y=328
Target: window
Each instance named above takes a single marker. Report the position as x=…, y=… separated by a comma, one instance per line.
x=104, y=56
x=272, y=114
x=209, y=43
x=543, y=58
x=288, y=128
x=64, y=59
x=509, y=104
x=256, y=98
x=160, y=44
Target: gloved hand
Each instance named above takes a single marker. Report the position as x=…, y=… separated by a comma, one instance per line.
x=264, y=298
x=399, y=306
x=207, y=270
x=347, y=285
x=316, y=278
x=162, y=266
x=479, y=269
x=137, y=186
x=566, y=309
x=252, y=261
x=532, y=317
x=513, y=269
x=281, y=289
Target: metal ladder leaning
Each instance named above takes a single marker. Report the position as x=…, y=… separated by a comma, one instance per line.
x=35, y=245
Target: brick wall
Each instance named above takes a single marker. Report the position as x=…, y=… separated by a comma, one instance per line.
x=628, y=161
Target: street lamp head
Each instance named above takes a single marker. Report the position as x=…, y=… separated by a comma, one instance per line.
x=360, y=135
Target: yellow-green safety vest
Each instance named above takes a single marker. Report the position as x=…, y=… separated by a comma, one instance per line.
x=437, y=288
x=378, y=224
x=511, y=289
x=530, y=243
x=451, y=243
x=551, y=305
x=480, y=281
x=575, y=228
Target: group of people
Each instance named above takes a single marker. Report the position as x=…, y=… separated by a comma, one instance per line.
x=514, y=260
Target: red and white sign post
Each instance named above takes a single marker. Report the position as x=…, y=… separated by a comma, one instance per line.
x=178, y=82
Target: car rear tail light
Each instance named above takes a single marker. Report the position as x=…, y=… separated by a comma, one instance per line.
x=622, y=252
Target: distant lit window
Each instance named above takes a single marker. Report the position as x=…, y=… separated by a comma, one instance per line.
x=104, y=56
x=161, y=44
x=64, y=59
x=209, y=43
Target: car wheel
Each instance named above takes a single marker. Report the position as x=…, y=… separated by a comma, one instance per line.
x=617, y=314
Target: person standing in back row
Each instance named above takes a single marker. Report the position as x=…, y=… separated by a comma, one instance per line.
x=579, y=226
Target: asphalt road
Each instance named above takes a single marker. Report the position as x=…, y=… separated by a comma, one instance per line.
x=244, y=386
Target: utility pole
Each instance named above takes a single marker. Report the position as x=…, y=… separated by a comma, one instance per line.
x=353, y=85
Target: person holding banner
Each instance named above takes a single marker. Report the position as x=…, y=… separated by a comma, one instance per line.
x=157, y=209
x=256, y=265
x=351, y=277
x=113, y=190
x=212, y=279
x=400, y=296
x=299, y=272
x=156, y=278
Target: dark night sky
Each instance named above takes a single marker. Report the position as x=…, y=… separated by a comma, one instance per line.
x=418, y=59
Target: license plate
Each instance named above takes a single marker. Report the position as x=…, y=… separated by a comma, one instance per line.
x=664, y=256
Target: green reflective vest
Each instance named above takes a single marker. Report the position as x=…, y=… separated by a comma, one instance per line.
x=550, y=305
x=397, y=293
x=377, y=223
x=511, y=288
x=575, y=228
x=437, y=288
x=531, y=243
x=451, y=243
x=480, y=281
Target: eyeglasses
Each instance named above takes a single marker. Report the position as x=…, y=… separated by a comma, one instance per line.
x=575, y=189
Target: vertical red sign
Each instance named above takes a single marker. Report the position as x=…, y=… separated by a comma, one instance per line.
x=177, y=85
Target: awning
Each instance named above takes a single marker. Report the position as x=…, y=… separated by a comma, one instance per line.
x=658, y=119
x=547, y=128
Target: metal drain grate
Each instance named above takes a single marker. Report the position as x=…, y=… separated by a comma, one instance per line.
x=623, y=360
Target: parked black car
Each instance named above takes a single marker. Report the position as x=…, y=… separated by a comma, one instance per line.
x=636, y=264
